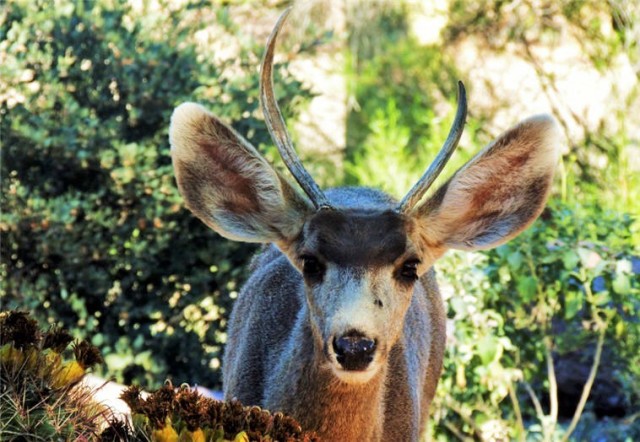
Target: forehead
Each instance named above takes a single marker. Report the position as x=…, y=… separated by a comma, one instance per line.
x=352, y=237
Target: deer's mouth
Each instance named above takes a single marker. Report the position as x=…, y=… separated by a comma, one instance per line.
x=355, y=376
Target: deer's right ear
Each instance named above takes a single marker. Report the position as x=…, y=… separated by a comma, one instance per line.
x=228, y=184
x=497, y=194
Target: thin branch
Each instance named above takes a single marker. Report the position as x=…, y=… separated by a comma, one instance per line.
x=457, y=433
x=452, y=405
x=631, y=419
x=553, y=383
x=516, y=409
x=586, y=390
x=534, y=399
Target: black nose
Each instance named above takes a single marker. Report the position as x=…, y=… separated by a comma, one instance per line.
x=354, y=350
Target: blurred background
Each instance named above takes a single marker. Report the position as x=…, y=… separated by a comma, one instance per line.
x=544, y=332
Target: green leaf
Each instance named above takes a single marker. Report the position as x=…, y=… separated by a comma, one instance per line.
x=570, y=259
x=488, y=348
x=117, y=362
x=622, y=284
x=97, y=339
x=527, y=287
x=601, y=298
x=624, y=266
x=573, y=302
x=505, y=274
x=457, y=304
x=515, y=260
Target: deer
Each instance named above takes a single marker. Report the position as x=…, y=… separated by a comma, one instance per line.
x=340, y=323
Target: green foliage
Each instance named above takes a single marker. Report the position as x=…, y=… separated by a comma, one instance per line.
x=563, y=287
x=524, y=23
x=615, y=186
x=388, y=158
x=551, y=291
x=95, y=236
x=394, y=130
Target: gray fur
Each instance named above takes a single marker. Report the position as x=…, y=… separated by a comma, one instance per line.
x=279, y=354
x=269, y=361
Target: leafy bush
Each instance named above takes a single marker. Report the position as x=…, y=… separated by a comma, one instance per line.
x=394, y=130
x=566, y=285
x=523, y=313
x=95, y=236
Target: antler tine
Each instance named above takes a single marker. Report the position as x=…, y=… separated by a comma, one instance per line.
x=423, y=184
x=277, y=127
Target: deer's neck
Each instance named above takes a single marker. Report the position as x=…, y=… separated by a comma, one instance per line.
x=308, y=390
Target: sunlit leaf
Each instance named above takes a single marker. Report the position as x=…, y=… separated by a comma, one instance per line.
x=573, y=303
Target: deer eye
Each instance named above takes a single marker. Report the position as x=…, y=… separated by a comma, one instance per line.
x=409, y=271
x=312, y=268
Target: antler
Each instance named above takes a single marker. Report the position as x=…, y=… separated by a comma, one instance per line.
x=419, y=189
x=277, y=127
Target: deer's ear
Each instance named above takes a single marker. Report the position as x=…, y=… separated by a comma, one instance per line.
x=228, y=184
x=497, y=194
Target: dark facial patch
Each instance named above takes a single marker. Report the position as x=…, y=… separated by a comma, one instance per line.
x=357, y=238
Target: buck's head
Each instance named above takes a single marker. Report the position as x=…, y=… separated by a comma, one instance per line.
x=359, y=263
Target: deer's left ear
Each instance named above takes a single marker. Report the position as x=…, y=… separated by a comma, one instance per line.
x=497, y=194
x=228, y=184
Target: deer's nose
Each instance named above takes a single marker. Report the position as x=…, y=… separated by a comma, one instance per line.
x=354, y=350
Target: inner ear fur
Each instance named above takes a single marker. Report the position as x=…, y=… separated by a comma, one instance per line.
x=227, y=184
x=497, y=194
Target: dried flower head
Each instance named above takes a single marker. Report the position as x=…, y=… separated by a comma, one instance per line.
x=17, y=327
x=160, y=405
x=57, y=339
x=42, y=398
x=116, y=431
x=259, y=422
x=284, y=427
x=233, y=417
x=184, y=414
x=190, y=406
x=131, y=396
x=87, y=355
